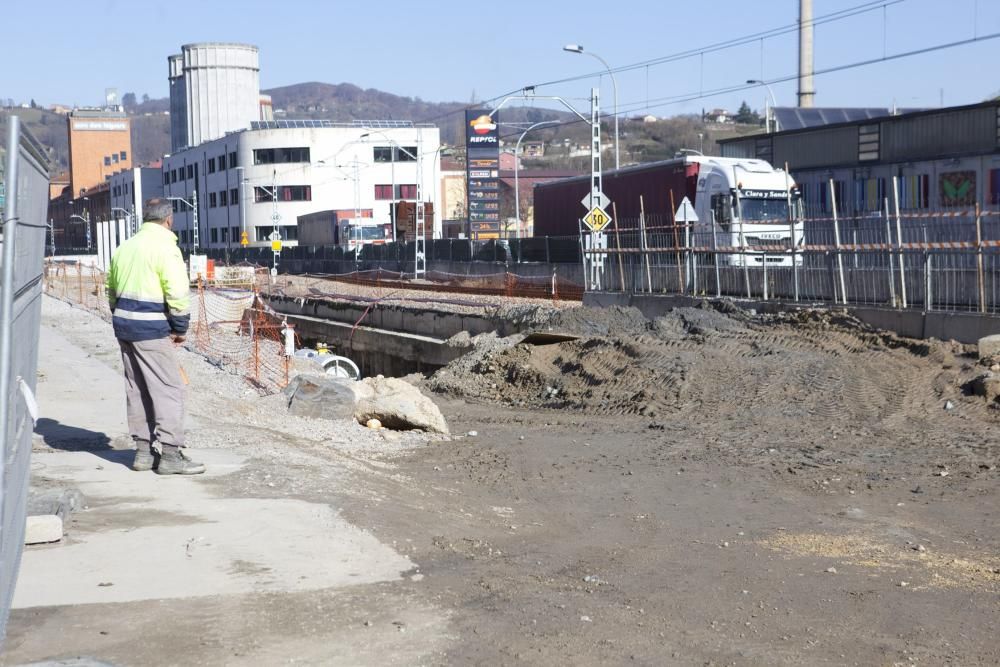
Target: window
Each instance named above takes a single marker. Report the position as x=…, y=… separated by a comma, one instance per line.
x=403, y=191
x=869, y=193
x=285, y=193
x=123, y=156
x=173, y=175
x=166, y=178
x=294, y=193
x=868, y=142
x=215, y=235
x=126, y=188
x=234, y=197
x=994, y=186
x=212, y=200
x=395, y=153
x=107, y=160
x=280, y=155
x=222, y=198
x=222, y=162
x=190, y=171
x=232, y=160
x=173, y=205
x=114, y=158
x=225, y=234
x=211, y=165
x=825, y=205
x=235, y=232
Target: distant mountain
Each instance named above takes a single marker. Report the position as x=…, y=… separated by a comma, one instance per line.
x=347, y=102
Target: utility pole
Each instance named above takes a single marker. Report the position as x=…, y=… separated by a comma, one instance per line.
x=194, y=206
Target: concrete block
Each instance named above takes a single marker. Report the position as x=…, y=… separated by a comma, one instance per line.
x=989, y=346
x=43, y=528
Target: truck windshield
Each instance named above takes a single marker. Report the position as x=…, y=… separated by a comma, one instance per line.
x=368, y=233
x=763, y=210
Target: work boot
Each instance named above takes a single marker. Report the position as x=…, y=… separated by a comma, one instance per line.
x=146, y=457
x=175, y=462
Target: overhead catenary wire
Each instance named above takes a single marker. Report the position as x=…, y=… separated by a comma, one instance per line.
x=839, y=15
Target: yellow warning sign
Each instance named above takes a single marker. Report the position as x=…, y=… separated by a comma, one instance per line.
x=244, y=241
x=597, y=219
x=276, y=245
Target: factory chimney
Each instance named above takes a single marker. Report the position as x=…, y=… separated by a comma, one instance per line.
x=806, y=90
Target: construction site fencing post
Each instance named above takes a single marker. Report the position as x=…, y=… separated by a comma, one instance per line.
x=26, y=184
x=899, y=242
x=792, y=217
x=928, y=290
x=889, y=257
x=645, y=245
x=980, y=273
x=618, y=245
x=836, y=243
x=715, y=259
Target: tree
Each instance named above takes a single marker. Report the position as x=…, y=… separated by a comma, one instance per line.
x=145, y=98
x=33, y=105
x=128, y=100
x=746, y=115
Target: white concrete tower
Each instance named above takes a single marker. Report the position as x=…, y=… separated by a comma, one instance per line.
x=222, y=89
x=178, y=104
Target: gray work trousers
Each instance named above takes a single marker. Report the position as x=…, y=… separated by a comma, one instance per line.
x=154, y=393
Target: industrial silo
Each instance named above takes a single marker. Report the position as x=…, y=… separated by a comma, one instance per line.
x=222, y=89
x=178, y=104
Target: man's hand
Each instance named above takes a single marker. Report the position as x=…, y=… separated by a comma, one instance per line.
x=177, y=338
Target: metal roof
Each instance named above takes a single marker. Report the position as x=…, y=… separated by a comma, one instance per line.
x=798, y=118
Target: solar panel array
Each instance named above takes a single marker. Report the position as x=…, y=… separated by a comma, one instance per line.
x=797, y=118
x=311, y=122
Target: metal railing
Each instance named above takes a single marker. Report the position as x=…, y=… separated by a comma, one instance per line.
x=944, y=260
x=27, y=187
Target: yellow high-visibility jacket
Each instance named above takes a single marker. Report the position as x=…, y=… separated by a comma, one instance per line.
x=148, y=286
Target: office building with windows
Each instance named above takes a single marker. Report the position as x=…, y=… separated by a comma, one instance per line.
x=129, y=188
x=258, y=181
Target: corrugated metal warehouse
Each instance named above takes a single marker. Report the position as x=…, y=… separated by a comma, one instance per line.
x=944, y=158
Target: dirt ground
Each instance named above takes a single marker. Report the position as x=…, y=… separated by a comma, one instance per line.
x=712, y=488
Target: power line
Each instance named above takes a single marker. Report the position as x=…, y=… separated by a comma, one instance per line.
x=689, y=97
x=848, y=12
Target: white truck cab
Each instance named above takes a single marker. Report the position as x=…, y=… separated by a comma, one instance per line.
x=746, y=203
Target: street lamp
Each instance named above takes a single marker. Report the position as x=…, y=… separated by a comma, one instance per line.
x=517, y=191
x=193, y=204
x=128, y=218
x=767, y=113
x=576, y=48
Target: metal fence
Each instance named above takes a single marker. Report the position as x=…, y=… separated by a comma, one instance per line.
x=26, y=182
x=946, y=260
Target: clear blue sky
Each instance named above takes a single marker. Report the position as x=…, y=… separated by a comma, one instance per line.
x=442, y=50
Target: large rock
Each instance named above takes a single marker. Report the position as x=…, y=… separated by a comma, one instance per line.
x=397, y=404
x=987, y=385
x=320, y=397
x=989, y=347
x=43, y=529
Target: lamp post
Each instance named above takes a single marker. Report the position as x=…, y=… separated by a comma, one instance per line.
x=85, y=219
x=194, y=207
x=392, y=171
x=517, y=163
x=128, y=217
x=576, y=48
x=767, y=112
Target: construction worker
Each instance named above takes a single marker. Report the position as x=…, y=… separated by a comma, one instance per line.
x=148, y=290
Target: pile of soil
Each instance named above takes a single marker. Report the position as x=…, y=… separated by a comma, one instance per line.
x=782, y=372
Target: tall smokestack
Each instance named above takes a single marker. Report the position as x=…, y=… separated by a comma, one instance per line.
x=806, y=90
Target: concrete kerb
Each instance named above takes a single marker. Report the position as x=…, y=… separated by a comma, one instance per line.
x=966, y=328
